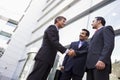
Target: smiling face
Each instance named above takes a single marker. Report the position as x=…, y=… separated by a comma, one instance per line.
x=60, y=21
x=83, y=35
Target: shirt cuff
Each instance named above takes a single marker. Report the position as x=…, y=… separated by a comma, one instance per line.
x=66, y=51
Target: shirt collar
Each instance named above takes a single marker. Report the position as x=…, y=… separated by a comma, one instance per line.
x=57, y=28
x=81, y=41
x=99, y=27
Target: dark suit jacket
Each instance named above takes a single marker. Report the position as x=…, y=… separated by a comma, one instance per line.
x=101, y=47
x=76, y=63
x=50, y=46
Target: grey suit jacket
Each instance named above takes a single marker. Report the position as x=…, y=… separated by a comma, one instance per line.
x=50, y=46
x=100, y=47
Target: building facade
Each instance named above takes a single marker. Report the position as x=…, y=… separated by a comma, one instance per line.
x=27, y=39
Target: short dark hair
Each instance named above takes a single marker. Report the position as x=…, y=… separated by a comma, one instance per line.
x=101, y=19
x=87, y=32
x=59, y=18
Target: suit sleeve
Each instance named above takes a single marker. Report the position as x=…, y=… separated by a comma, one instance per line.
x=81, y=52
x=108, y=38
x=54, y=40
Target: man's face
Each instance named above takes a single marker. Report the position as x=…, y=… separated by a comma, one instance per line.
x=83, y=35
x=61, y=23
x=95, y=23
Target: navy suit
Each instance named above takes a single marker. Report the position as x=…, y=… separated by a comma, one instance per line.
x=74, y=67
x=45, y=57
x=100, y=48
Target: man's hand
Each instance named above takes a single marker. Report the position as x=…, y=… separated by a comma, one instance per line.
x=71, y=53
x=100, y=65
x=62, y=68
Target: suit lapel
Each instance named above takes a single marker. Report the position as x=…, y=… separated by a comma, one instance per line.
x=83, y=44
x=76, y=45
x=97, y=32
x=57, y=31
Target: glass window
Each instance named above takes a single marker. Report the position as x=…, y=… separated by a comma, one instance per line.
x=80, y=7
x=116, y=51
x=3, y=41
x=110, y=13
x=71, y=32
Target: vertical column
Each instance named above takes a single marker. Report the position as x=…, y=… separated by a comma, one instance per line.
x=28, y=66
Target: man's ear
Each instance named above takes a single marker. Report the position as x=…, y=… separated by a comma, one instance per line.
x=99, y=21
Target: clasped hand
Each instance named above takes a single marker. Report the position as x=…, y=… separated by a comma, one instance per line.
x=100, y=65
x=71, y=53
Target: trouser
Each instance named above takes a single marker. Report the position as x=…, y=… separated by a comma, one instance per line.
x=68, y=75
x=94, y=74
x=40, y=71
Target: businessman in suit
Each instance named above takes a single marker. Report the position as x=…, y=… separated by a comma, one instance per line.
x=74, y=67
x=101, y=45
x=45, y=57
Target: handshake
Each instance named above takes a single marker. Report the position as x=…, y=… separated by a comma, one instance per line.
x=71, y=53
